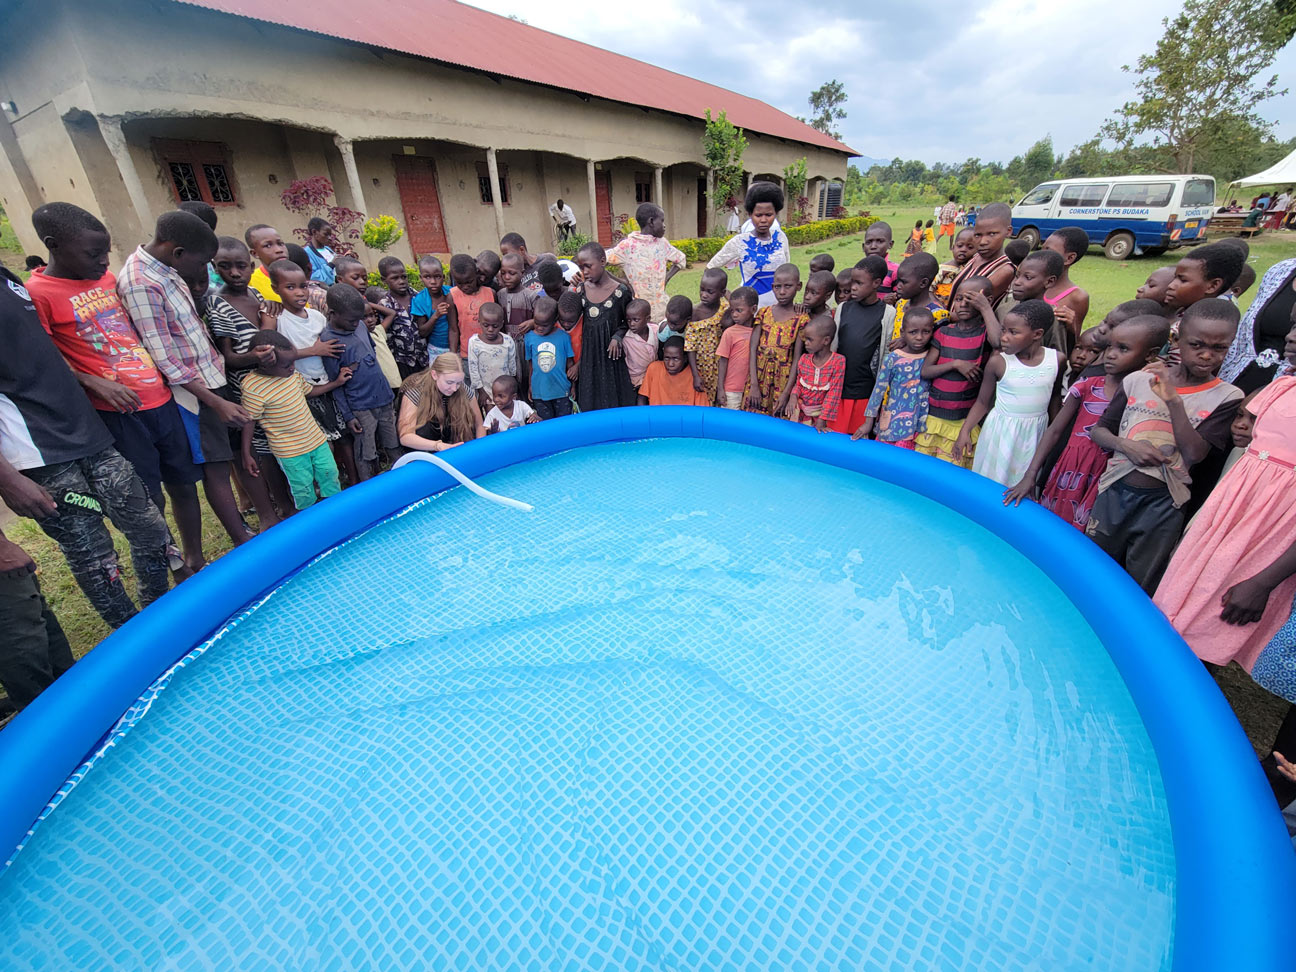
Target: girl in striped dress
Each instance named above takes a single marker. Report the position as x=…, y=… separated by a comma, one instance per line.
x=1022, y=383
x=953, y=367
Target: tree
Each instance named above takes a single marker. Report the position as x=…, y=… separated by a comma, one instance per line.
x=723, y=145
x=794, y=183
x=309, y=198
x=825, y=102
x=1203, y=70
x=1038, y=163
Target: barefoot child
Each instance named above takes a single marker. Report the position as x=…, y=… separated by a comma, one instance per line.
x=1164, y=421
x=490, y=354
x=640, y=340
x=365, y=401
x=901, y=382
x=710, y=317
x=669, y=381
x=509, y=412
x=816, y=396
x=1072, y=486
x=1070, y=304
x=734, y=352
x=604, y=380
x=275, y=396
x=432, y=309
x=776, y=343
x=1018, y=394
x=863, y=324
x=953, y=367
x=550, y=360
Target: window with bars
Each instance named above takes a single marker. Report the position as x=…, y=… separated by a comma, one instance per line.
x=484, y=184
x=643, y=187
x=198, y=171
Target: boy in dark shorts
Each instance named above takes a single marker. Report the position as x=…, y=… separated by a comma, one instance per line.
x=76, y=298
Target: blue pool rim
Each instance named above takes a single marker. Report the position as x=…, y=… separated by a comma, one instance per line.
x=1235, y=869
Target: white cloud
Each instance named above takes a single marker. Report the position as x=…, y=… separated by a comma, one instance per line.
x=923, y=81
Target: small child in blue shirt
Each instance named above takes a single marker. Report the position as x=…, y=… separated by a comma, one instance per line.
x=433, y=310
x=364, y=402
x=551, y=362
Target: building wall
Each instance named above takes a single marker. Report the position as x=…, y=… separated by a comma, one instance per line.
x=275, y=97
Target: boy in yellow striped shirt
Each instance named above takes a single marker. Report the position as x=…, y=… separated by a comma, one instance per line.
x=275, y=396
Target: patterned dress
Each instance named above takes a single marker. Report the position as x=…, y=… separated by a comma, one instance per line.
x=1072, y=486
x=756, y=260
x=774, y=354
x=646, y=260
x=601, y=381
x=904, y=415
x=408, y=347
x=703, y=337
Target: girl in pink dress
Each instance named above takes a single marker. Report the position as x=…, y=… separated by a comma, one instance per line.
x=1248, y=520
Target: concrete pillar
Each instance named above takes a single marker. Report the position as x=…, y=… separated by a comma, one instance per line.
x=352, y=173
x=658, y=198
x=497, y=195
x=593, y=198
x=115, y=139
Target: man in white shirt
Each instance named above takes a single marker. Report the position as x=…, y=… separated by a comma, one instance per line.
x=566, y=219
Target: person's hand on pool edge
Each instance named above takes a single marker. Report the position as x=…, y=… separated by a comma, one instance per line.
x=1025, y=489
x=864, y=430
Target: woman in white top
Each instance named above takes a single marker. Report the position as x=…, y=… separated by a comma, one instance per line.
x=760, y=251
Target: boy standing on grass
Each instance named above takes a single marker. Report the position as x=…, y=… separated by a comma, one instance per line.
x=152, y=287
x=364, y=402
x=275, y=397
x=58, y=466
x=76, y=298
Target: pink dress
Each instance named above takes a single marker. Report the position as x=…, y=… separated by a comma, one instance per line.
x=1248, y=520
x=1072, y=486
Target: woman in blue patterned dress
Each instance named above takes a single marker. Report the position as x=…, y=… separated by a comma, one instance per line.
x=758, y=252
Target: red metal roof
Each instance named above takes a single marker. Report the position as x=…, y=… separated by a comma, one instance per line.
x=456, y=33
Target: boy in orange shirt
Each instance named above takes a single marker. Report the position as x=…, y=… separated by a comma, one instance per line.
x=669, y=381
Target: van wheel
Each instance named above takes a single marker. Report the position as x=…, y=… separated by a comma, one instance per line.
x=1030, y=235
x=1119, y=246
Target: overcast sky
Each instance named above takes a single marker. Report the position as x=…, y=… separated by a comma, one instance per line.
x=1034, y=68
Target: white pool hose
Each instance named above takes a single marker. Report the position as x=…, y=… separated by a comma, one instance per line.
x=463, y=480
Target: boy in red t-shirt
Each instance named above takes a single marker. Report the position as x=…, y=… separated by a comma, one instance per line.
x=76, y=299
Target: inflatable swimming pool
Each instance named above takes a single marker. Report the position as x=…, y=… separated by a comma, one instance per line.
x=735, y=695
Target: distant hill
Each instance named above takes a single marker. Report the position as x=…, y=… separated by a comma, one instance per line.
x=866, y=162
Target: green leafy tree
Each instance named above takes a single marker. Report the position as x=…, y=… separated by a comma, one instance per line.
x=381, y=233
x=794, y=183
x=1204, y=70
x=1038, y=163
x=723, y=145
x=825, y=103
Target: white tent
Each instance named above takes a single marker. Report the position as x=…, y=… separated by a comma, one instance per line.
x=1280, y=173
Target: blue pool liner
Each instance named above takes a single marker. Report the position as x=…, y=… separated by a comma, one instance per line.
x=1235, y=869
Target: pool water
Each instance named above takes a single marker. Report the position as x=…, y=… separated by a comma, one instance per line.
x=708, y=707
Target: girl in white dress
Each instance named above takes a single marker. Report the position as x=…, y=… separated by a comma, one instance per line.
x=1022, y=382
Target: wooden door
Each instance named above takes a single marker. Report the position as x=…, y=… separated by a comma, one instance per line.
x=603, y=200
x=416, y=182
x=702, y=207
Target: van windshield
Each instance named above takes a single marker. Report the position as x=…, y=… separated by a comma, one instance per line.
x=1039, y=195
x=1199, y=192
x=1141, y=195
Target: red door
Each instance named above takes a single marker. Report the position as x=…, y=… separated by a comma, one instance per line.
x=416, y=183
x=603, y=200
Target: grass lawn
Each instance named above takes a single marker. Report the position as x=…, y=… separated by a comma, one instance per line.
x=1107, y=281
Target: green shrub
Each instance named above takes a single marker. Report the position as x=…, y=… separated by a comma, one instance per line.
x=704, y=248
x=571, y=246
x=411, y=271
x=381, y=233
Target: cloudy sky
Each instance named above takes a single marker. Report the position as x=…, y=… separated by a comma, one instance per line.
x=1035, y=68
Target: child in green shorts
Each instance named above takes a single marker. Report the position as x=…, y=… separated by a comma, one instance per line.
x=275, y=396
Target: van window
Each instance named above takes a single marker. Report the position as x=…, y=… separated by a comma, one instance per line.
x=1039, y=195
x=1083, y=195
x=1142, y=195
x=1199, y=192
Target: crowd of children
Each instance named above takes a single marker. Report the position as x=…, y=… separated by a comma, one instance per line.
x=273, y=374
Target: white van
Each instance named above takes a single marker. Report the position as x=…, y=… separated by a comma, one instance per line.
x=1120, y=213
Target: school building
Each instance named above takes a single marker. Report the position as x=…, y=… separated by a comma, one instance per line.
x=460, y=123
